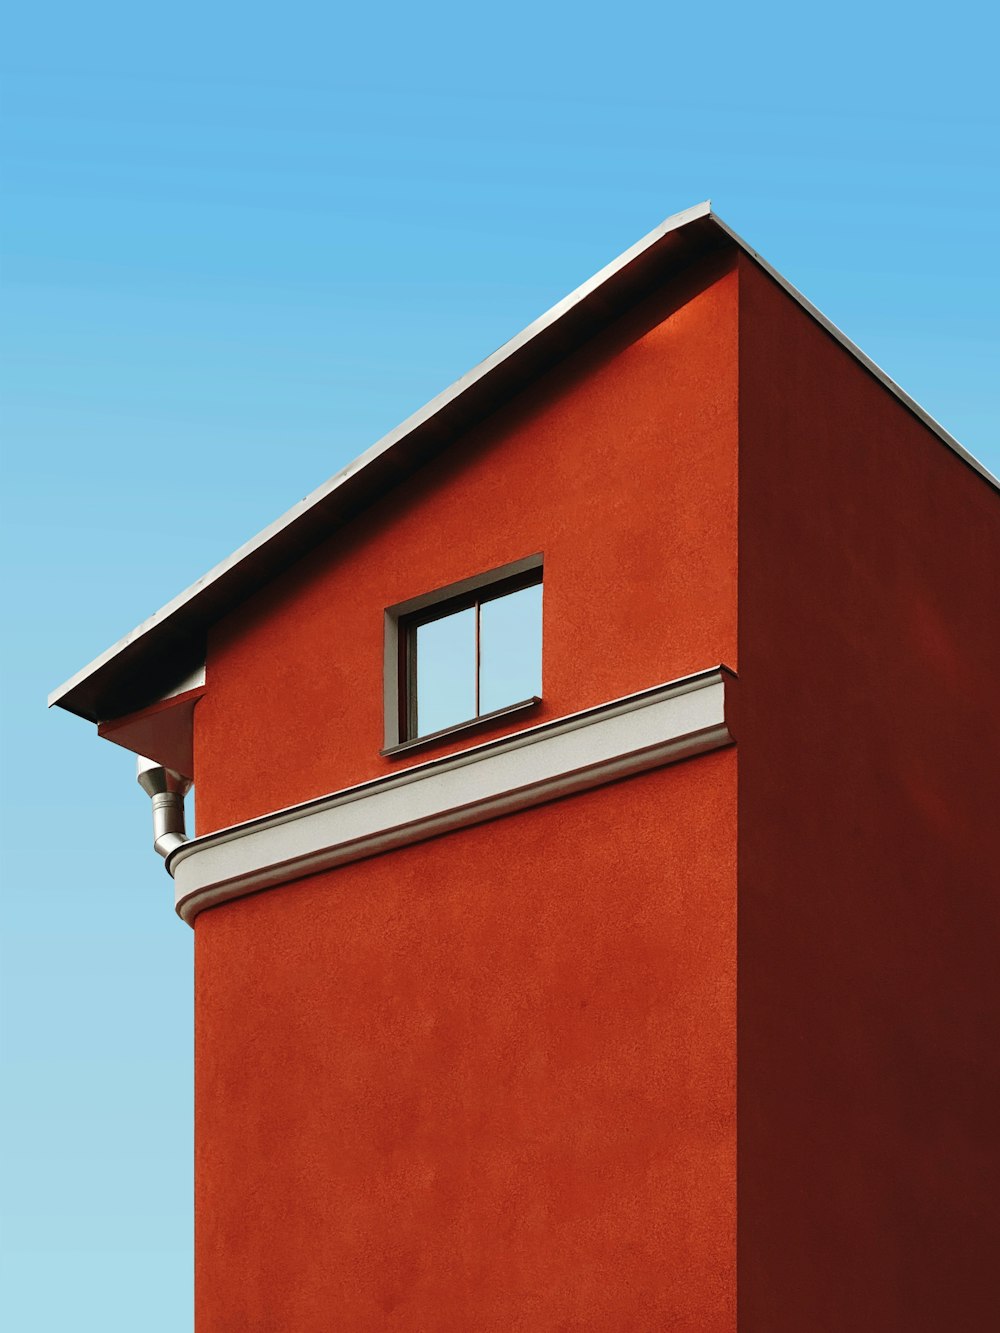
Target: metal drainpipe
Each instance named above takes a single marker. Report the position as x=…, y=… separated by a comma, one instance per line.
x=167, y=790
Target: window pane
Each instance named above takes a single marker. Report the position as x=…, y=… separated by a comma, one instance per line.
x=446, y=671
x=510, y=649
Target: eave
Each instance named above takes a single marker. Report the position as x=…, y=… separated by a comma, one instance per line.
x=147, y=663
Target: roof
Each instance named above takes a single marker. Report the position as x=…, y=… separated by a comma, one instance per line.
x=150, y=661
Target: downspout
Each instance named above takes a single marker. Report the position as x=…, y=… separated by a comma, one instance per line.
x=167, y=790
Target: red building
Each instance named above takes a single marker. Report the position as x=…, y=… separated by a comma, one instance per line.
x=636, y=976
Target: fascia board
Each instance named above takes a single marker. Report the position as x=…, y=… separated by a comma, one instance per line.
x=180, y=625
x=181, y=606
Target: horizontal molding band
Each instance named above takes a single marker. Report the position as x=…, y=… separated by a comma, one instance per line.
x=642, y=731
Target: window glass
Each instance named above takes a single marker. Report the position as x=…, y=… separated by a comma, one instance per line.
x=446, y=671
x=510, y=649
x=469, y=652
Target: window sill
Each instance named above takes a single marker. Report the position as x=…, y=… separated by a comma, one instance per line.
x=404, y=747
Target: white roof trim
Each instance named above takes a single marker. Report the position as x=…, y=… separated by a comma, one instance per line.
x=382, y=446
x=455, y=391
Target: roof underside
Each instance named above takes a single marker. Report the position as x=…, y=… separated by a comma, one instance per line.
x=163, y=650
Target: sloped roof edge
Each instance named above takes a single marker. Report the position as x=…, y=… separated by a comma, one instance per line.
x=149, y=660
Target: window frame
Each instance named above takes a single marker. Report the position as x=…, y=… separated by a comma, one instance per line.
x=401, y=624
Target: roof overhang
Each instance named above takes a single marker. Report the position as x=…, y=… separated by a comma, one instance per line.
x=147, y=664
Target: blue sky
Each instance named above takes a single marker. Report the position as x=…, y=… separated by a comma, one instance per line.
x=239, y=245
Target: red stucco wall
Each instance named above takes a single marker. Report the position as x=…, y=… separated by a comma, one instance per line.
x=484, y=1083
x=620, y=466
x=487, y=1082
x=869, y=912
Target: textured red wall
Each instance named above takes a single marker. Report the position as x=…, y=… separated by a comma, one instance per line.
x=483, y=1083
x=487, y=1082
x=869, y=913
x=620, y=465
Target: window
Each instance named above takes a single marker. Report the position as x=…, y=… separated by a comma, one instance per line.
x=464, y=653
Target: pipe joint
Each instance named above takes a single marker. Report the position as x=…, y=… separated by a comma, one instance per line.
x=166, y=790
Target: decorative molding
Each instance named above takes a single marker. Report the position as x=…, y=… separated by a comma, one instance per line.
x=626, y=736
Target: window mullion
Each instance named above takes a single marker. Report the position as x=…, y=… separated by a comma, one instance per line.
x=440, y=627
x=478, y=604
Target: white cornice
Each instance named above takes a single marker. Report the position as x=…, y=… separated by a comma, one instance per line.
x=659, y=726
